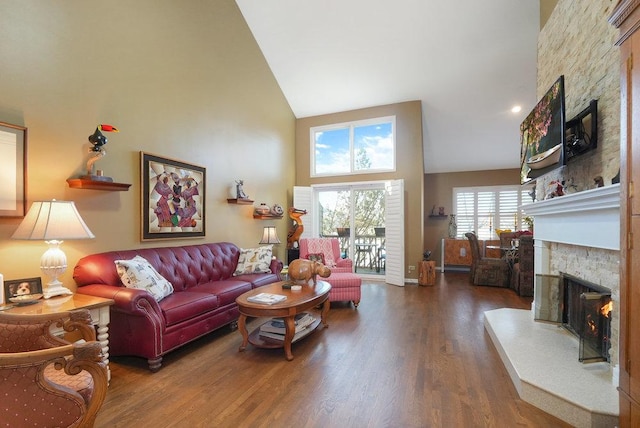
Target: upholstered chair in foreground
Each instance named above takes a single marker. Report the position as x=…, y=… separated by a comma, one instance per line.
x=45, y=380
x=485, y=270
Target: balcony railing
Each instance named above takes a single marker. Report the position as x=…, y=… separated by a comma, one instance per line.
x=368, y=252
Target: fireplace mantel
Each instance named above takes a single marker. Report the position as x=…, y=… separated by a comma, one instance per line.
x=590, y=218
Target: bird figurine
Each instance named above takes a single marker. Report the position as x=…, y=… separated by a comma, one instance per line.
x=97, y=139
x=296, y=230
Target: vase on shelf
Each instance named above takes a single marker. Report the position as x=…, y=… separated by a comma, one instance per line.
x=453, y=227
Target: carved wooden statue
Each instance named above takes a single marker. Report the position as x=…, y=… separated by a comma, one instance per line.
x=296, y=230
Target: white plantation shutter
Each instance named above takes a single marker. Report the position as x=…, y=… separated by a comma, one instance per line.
x=394, y=222
x=509, y=202
x=484, y=209
x=303, y=200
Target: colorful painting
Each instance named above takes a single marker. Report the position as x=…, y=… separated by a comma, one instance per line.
x=173, y=198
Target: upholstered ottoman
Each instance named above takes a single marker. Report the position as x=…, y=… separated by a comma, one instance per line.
x=344, y=287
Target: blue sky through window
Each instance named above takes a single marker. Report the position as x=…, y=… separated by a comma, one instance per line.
x=333, y=150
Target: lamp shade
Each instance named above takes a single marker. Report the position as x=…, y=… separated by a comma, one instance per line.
x=269, y=235
x=53, y=220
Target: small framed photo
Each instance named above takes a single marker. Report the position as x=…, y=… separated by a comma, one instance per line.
x=21, y=287
x=173, y=195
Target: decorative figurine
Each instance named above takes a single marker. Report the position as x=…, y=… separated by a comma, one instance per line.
x=304, y=270
x=297, y=228
x=97, y=152
x=240, y=191
x=554, y=189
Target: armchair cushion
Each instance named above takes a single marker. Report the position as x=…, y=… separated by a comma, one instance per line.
x=254, y=260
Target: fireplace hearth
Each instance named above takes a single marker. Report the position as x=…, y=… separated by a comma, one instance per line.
x=586, y=312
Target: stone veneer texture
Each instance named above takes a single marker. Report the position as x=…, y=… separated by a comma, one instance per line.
x=578, y=42
x=595, y=265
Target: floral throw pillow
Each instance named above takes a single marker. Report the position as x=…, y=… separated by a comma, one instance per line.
x=138, y=273
x=316, y=257
x=254, y=260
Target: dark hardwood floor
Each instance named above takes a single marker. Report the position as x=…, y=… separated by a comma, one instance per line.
x=407, y=357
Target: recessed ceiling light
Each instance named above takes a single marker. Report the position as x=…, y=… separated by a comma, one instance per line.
x=516, y=109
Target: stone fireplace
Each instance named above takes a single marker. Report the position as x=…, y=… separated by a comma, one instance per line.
x=579, y=235
x=575, y=236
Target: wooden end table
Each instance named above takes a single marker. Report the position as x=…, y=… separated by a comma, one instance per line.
x=296, y=302
x=98, y=307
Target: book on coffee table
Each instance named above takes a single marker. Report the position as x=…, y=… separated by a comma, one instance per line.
x=277, y=326
x=297, y=335
x=267, y=298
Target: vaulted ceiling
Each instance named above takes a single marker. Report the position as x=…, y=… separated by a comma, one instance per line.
x=469, y=62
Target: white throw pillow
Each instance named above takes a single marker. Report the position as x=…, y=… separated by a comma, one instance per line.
x=138, y=273
x=254, y=260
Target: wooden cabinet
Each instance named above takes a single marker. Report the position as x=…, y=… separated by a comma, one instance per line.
x=456, y=253
x=626, y=17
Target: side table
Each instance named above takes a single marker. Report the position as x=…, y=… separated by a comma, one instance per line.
x=97, y=306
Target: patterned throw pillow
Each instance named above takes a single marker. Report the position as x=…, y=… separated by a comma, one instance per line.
x=138, y=273
x=254, y=260
x=324, y=246
x=316, y=257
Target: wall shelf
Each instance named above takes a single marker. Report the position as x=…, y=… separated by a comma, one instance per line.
x=267, y=217
x=438, y=216
x=240, y=201
x=83, y=183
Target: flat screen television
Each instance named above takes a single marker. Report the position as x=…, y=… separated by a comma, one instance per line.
x=542, y=135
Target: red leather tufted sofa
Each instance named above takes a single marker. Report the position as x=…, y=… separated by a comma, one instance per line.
x=203, y=300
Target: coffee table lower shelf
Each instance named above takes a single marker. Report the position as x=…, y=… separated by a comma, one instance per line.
x=268, y=343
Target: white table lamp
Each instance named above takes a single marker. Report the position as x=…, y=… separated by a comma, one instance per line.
x=269, y=235
x=52, y=222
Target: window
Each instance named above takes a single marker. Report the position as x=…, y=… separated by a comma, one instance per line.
x=366, y=146
x=485, y=209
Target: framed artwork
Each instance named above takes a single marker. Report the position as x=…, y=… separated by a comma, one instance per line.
x=13, y=170
x=20, y=287
x=173, y=198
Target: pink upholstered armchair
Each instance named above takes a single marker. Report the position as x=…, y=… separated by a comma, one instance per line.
x=330, y=249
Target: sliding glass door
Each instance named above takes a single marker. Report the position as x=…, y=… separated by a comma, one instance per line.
x=356, y=215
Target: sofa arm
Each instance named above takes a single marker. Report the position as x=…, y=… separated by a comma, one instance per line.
x=276, y=266
x=128, y=300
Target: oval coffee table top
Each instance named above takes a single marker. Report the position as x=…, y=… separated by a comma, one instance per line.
x=296, y=301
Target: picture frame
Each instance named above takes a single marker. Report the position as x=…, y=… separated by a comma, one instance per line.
x=173, y=198
x=11, y=287
x=13, y=170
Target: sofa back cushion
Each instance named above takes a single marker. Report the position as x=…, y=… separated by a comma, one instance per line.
x=183, y=267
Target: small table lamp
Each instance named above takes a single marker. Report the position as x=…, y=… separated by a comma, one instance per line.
x=53, y=221
x=269, y=235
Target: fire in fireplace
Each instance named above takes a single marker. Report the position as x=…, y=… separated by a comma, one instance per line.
x=586, y=312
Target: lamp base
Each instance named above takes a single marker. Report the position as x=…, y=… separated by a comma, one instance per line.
x=58, y=289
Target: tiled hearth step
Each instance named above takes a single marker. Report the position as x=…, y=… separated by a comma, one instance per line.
x=542, y=361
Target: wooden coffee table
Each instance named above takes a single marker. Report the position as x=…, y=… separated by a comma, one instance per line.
x=296, y=302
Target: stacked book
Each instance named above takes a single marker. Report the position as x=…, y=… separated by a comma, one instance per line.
x=267, y=298
x=275, y=329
